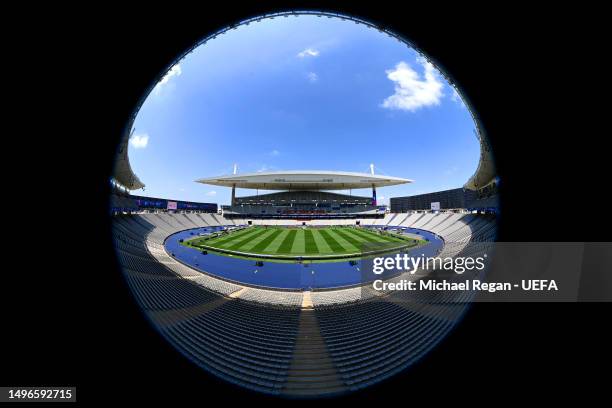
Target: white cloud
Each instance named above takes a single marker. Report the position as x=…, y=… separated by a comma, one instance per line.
x=312, y=77
x=139, y=141
x=308, y=52
x=412, y=92
x=274, y=153
x=211, y=193
x=174, y=71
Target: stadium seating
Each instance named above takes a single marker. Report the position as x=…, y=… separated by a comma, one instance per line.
x=423, y=220
x=291, y=343
x=411, y=219
x=122, y=202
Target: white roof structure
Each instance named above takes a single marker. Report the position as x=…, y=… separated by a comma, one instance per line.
x=304, y=180
x=123, y=172
x=485, y=173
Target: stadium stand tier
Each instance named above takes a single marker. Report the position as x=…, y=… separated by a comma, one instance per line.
x=305, y=193
x=485, y=199
x=123, y=202
x=290, y=343
x=300, y=202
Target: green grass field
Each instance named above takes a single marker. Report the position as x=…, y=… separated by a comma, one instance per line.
x=283, y=241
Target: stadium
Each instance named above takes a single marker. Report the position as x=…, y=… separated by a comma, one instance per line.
x=304, y=326
x=270, y=292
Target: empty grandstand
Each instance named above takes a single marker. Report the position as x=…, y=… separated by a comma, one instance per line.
x=485, y=199
x=448, y=199
x=300, y=202
x=292, y=329
x=287, y=342
x=124, y=202
x=305, y=193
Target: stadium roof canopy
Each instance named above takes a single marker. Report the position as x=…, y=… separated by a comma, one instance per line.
x=123, y=172
x=486, y=173
x=304, y=180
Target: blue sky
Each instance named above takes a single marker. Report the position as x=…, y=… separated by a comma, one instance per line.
x=302, y=93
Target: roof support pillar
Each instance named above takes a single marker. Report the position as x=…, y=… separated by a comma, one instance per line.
x=373, y=195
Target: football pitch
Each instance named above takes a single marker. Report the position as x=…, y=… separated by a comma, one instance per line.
x=302, y=241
